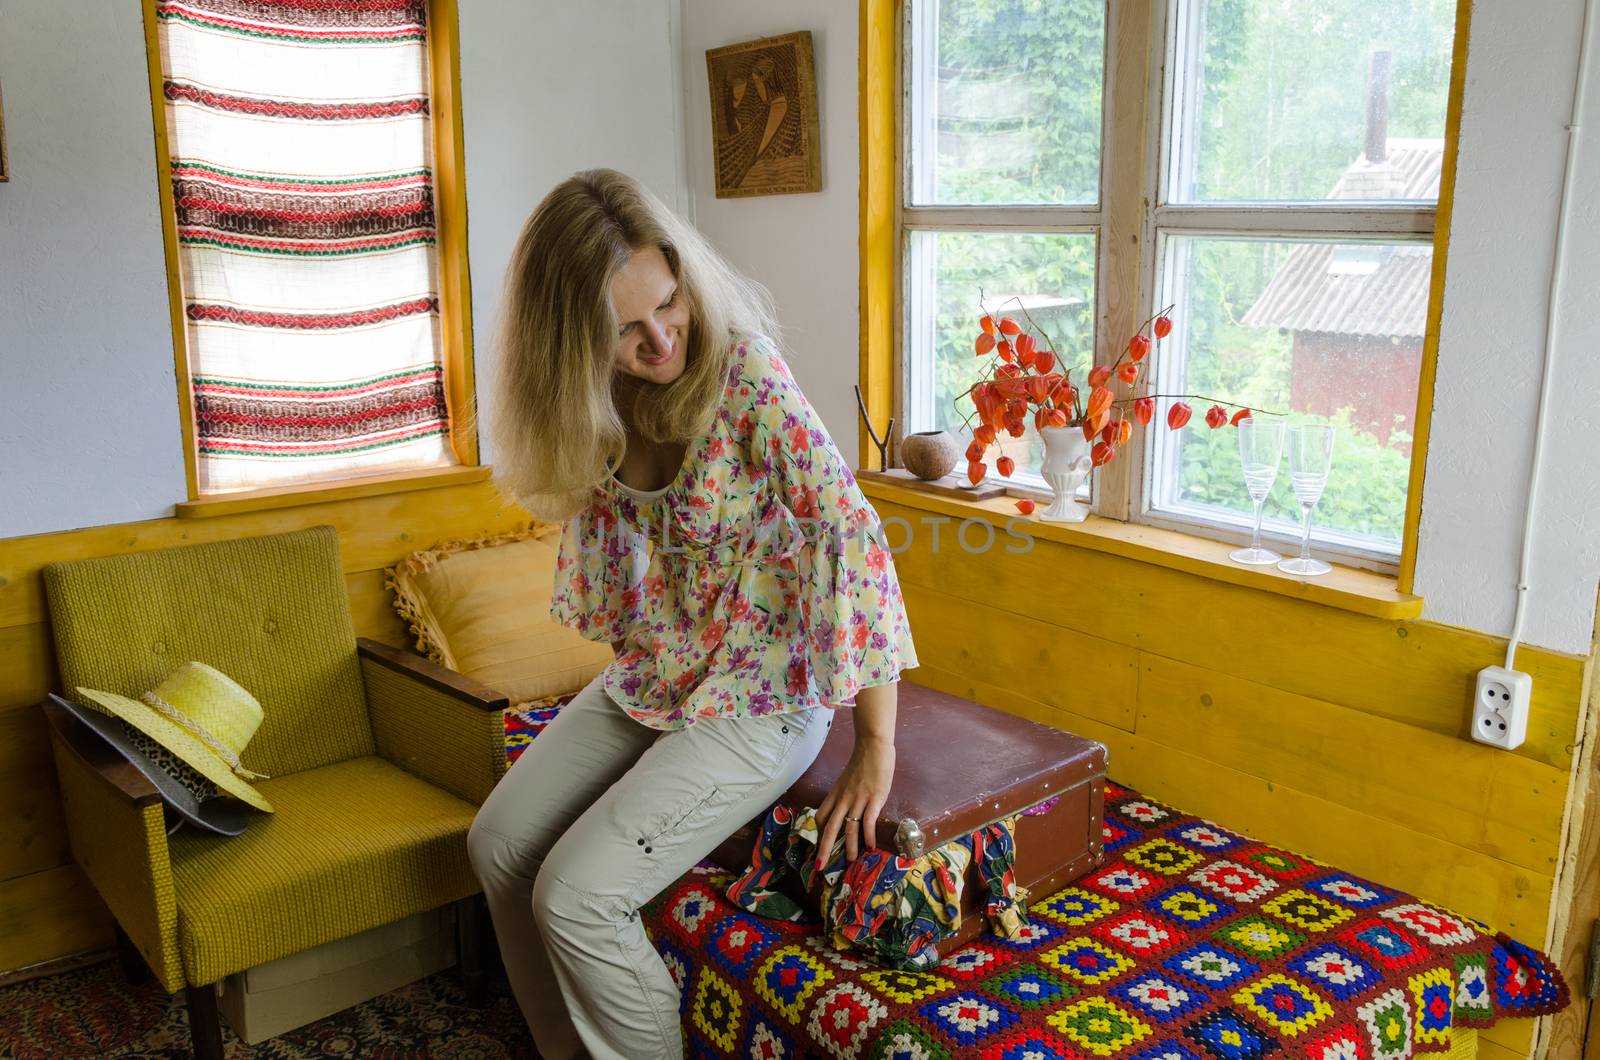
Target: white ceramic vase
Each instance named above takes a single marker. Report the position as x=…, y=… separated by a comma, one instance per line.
x=1066, y=466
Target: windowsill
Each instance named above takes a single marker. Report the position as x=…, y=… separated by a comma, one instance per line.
x=1346, y=588
x=322, y=493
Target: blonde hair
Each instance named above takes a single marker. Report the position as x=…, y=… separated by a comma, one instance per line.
x=556, y=427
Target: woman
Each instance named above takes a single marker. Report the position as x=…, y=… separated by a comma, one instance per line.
x=721, y=545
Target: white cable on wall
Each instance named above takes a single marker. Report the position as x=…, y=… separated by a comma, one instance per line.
x=1552, y=322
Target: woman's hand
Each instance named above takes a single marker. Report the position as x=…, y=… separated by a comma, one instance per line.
x=859, y=793
x=852, y=807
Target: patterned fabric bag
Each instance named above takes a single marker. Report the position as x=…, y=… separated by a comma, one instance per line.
x=892, y=909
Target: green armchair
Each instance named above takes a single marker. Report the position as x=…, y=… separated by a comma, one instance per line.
x=377, y=762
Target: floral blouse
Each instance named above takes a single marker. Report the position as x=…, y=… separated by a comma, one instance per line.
x=757, y=582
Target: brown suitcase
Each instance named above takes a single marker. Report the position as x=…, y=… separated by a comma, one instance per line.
x=959, y=766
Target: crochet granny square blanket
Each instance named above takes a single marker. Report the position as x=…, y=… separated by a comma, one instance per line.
x=1191, y=942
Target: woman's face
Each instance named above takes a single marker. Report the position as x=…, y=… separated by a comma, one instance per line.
x=652, y=318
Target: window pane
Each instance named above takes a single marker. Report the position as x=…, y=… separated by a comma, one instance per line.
x=1051, y=276
x=1293, y=100
x=1324, y=332
x=1006, y=101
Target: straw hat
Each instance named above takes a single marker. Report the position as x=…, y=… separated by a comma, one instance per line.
x=202, y=717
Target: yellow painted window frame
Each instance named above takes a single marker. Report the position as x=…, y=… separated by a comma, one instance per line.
x=455, y=291
x=879, y=100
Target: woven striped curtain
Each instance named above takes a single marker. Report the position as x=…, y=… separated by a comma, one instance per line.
x=302, y=178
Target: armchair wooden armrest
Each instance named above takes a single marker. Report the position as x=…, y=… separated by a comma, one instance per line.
x=421, y=668
x=118, y=831
x=100, y=757
x=434, y=723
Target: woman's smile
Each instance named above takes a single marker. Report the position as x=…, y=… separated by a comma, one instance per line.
x=652, y=315
x=663, y=359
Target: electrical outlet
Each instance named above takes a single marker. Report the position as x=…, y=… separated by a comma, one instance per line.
x=1500, y=707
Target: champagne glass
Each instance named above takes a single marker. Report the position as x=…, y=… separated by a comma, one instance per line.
x=1260, y=451
x=1310, y=457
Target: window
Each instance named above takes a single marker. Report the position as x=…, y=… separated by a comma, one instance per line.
x=1002, y=189
x=1275, y=180
x=300, y=146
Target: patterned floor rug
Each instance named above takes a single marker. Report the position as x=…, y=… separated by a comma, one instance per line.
x=94, y=1012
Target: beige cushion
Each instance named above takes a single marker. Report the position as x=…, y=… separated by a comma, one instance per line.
x=482, y=608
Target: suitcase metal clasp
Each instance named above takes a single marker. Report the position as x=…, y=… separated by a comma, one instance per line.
x=909, y=838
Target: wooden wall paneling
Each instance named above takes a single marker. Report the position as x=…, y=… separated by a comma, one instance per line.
x=32, y=834
x=372, y=609
x=1508, y=896
x=1072, y=672
x=1345, y=588
x=27, y=665
x=50, y=914
x=1415, y=672
x=1491, y=1048
x=964, y=684
x=1564, y=1032
x=373, y=531
x=1575, y=923
x=1505, y=806
x=1513, y=1037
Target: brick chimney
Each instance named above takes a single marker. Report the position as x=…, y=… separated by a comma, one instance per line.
x=1377, y=146
x=1372, y=177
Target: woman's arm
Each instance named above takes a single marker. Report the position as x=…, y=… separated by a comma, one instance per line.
x=864, y=785
x=850, y=574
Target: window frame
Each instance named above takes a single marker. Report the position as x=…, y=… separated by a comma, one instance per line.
x=1141, y=52
x=448, y=152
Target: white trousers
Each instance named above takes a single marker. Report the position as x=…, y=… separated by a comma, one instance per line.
x=599, y=815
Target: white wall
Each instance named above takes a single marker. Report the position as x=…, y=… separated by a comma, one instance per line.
x=803, y=247
x=1521, y=74
x=548, y=89
x=89, y=429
